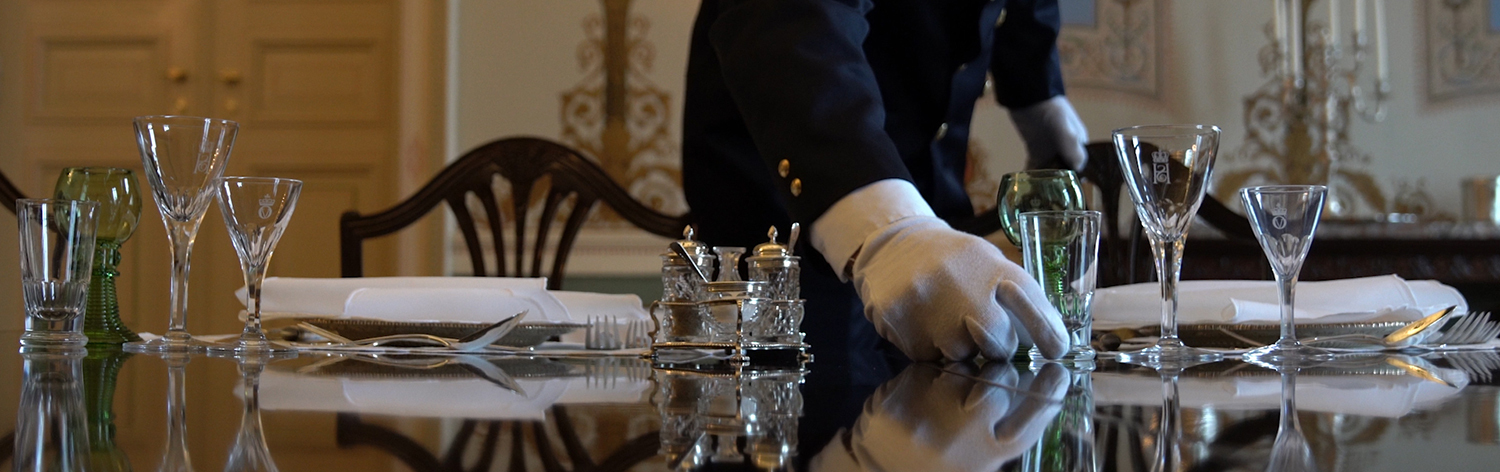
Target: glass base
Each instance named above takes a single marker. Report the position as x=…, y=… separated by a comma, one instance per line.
x=111, y=337
x=175, y=343
x=1288, y=354
x=1075, y=355
x=240, y=347
x=53, y=339
x=1169, y=353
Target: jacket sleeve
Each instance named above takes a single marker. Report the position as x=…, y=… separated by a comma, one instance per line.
x=798, y=72
x=1024, y=61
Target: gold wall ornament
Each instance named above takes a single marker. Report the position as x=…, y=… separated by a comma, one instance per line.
x=616, y=115
x=1463, y=50
x=1297, y=123
x=1120, y=52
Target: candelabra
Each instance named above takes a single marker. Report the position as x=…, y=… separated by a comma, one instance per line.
x=1298, y=122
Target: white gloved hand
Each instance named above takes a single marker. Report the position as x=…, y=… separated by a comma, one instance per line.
x=937, y=292
x=1052, y=128
x=926, y=419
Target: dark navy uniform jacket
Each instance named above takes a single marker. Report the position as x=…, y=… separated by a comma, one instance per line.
x=792, y=104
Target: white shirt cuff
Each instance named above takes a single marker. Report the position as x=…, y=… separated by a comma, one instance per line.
x=845, y=226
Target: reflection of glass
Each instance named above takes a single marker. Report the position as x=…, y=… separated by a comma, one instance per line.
x=184, y=156
x=1169, y=455
x=1291, y=451
x=256, y=211
x=250, y=452
x=1067, y=445
x=1061, y=250
x=1284, y=218
x=722, y=419
x=174, y=456
x=101, y=368
x=1166, y=168
x=119, y=198
x=51, y=433
x=1035, y=190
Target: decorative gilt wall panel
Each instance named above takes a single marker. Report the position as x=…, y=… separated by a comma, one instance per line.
x=1121, y=51
x=1463, y=49
x=617, y=115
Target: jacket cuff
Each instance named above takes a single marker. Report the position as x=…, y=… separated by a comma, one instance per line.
x=840, y=232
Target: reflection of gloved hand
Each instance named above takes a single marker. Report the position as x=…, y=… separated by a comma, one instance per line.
x=937, y=292
x=925, y=419
x=1052, y=129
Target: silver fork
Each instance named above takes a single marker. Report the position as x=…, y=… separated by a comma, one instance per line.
x=602, y=334
x=1472, y=328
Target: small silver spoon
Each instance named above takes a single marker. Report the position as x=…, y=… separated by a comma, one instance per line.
x=1406, y=336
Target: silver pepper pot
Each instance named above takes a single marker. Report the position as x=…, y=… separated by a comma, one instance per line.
x=679, y=281
x=774, y=264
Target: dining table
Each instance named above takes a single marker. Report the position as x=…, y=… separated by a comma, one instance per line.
x=104, y=409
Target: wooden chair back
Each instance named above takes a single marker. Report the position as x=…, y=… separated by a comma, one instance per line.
x=9, y=193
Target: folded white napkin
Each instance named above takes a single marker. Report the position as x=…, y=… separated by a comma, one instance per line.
x=470, y=299
x=1387, y=396
x=1379, y=298
x=441, y=398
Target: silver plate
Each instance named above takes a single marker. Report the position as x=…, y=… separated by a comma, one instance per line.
x=526, y=335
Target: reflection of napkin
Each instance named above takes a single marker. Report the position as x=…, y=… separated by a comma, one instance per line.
x=440, y=398
x=1380, y=298
x=1387, y=396
x=471, y=299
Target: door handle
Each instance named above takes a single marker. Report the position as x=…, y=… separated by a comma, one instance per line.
x=231, y=77
x=177, y=74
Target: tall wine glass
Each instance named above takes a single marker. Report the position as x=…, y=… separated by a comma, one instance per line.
x=184, y=156
x=1035, y=190
x=256, y=211
x=1166, y=168
x=1284, y=218
x=118, y=194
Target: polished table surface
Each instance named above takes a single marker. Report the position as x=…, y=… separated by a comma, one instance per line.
x=322, y=412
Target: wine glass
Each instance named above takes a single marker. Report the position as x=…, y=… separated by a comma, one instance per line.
x=1284, y=218
x=184, y=156
x=256, y=211
x=1035, y=190
x=1166, y=168
x=250, y=452
x=118, y=194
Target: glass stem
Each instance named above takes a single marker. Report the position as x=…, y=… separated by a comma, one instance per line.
x=1285, y=285
x=255, y=276
x=176, y=456
x=1168, y=269
x=1169, y=436
x=182, y=235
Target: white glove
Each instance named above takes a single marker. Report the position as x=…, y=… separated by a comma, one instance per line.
x=1052, y=128
x=937, y=292
x=930, y=420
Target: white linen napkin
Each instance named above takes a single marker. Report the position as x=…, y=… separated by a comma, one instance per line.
x=469, y=299
x=1387, y=396
x=1379, y=298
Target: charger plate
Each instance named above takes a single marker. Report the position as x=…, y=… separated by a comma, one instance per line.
x=1219, y=334
x=527, y=334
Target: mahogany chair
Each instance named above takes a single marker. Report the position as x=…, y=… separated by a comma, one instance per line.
x=9, y=193
x=526, y=164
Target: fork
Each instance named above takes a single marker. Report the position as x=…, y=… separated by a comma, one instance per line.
x=603, y=333
x=1471, y=328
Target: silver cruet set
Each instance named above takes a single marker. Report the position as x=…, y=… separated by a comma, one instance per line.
x=753, y=321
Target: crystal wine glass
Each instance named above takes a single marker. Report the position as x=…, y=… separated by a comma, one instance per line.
x=1035, y=190
x=256, y=211
x=1284, y=218
x=184, y=156
x=118, y=194
x=1166, y=168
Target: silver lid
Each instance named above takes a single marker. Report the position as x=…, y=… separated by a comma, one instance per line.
x=700, y=252
x=772, y=248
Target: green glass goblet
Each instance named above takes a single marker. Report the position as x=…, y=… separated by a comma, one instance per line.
x=119, y=198
x=1035, y=190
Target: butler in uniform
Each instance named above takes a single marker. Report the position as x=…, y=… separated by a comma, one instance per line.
x=852, y=117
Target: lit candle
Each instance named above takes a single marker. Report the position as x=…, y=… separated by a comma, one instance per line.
x=1294, y=27
x=1382, y=59
x=1333, y=21
x=1279, y=21
x=1359, y=17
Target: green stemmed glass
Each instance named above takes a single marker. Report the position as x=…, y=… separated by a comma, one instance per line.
x=1035, y=190
x=118, y=194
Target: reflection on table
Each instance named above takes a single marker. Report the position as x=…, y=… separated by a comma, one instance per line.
x=360, y=412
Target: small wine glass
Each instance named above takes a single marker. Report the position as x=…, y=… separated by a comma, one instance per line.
x=1035, y=190
x=118, y=194
x=1284, y=218
x=184, y=156
x=1166, y=168
x=256, y=211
